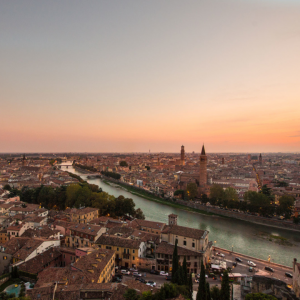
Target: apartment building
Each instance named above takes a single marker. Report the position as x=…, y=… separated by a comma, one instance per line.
x=84, y=215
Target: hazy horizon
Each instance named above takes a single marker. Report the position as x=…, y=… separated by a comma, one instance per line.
x=129, y=76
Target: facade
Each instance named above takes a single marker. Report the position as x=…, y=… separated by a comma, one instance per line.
x=203, y=170
x=83, y=235
x=84, y=215
x=164, y=254
x=3, y=236
x=128, y=251
x=182, y=158
x=187, y=238
x=296, y=277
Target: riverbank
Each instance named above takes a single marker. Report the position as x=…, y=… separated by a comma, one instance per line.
x=207, y=210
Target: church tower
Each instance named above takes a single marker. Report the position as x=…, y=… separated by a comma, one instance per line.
x=182, y=158
x=203, y=169
x=260, y=159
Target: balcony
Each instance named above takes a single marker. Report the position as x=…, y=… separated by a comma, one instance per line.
x=126, y=256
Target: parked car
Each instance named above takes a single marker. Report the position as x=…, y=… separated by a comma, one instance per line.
x=151, y=283
x=133, y=270
x=163, y=273
x=220, y=254
x=154, y=272
x=251, y=263
x=141, y=279
x=269, y=269
x=287, y=274
x=137, y=274
x=238, y=259
x=125, y=272
x=169, y=277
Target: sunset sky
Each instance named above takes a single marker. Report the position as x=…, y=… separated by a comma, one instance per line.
x=122, y=76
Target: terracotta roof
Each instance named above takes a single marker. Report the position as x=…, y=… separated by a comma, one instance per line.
x=38, y=263
x=86, y=228
x=148, y=224
x=117, y=241
x=185, y=231
x=84, y=211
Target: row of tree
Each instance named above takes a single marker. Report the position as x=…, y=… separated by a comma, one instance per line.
x=111, y=174
x=88, y=168
x=79, y=195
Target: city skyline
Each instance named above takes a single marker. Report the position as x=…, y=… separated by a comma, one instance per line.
x=129, y=77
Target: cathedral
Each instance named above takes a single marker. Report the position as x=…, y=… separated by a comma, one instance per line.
x=188, y=175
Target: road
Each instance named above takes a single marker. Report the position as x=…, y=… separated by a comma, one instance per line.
x=243, y=267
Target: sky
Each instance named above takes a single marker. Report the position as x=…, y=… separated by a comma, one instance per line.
x=134, y=76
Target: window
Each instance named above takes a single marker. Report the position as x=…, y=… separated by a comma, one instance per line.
x=133, y=251
x=117, y=249
x=188, y=258
x=193, y=245
x=4, y=257
x=158, y=255
x=184, y=243
x=133, y=257
x=125, y=251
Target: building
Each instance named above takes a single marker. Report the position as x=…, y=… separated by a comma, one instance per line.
x=203, y=170
x=188, y=238
x=182, y=158
x=84, y=215
x=296, y=277
x=164, y=254
x=83, y=235
x=149, y=226
x=128, y=251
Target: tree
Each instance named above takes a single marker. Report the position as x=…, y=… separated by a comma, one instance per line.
x=131, y=294
x=230, y=194
x=201, y=294
x=204, y=198
x=7, y=187
x=123, y=163
x=185, y=274
x=175, y=262
x=285, y=207
x=71, y=192
x=139, y=214
x=215, y=293
x=147, y=295
x=225, y=288
x=190, y=281
x=259, y=296
x=192, y=190
x=216, y=191
x=208, y=296
x=179, y=192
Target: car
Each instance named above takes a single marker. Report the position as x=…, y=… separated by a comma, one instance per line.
x=251, y=263
x=287, y=274
x=125, y=272
x=250, y=269
x=133, y=270
x=151, y=283
x=169, y=277
x=238, y=259
x=154, y=272
x=137, y=274
x=269, y=269
x=163, y=273
x=140, y=279
x=220, y=254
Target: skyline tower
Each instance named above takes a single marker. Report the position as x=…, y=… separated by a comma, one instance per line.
x=260, y=159
x=203, y=169
x=182, y=156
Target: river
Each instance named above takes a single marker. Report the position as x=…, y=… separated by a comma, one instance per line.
x=246, y=238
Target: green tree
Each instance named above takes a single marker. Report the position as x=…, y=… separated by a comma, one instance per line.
x=131, y=294
x=225, y=288
x=208, y=296
x=216, y=191
x=201, y=294
x=7, y=187
x=139, y=214
x=259, y=296
x=192, y=190
x=285, y=207
x=230, y=194
x=123, y=163
x=175, y=262
x=147, y=295
x=72, y=191
x=190, y=284
x=215, y=293
x=185, y=273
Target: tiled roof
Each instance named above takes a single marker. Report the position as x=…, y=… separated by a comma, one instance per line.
x=86, y=228
x=149, y=224
x=117, y=241
x=37, y=264
x=184, y=231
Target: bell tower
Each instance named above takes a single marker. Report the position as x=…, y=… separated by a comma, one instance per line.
x=203, y=169
x=172, y=219
x=182, y=156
